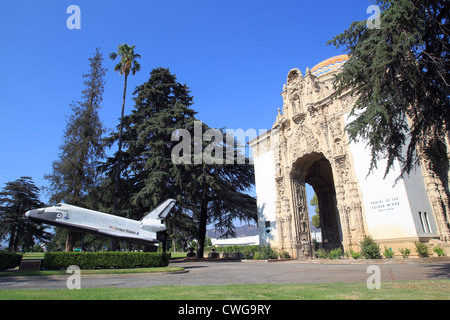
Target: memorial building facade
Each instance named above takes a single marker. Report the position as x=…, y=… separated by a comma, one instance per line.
x=308, y=144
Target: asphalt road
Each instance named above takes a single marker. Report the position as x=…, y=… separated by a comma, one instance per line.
x=219, y=273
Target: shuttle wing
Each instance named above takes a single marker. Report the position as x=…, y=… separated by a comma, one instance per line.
x=161, y=211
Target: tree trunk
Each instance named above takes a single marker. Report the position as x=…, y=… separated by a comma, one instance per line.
x=202, y=225
x=116, y=186
x=12, y=239
x=69, y=241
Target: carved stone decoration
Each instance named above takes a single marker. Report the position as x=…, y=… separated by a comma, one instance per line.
x=309, y=145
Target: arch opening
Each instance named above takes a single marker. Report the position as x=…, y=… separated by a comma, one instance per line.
x=315, y=170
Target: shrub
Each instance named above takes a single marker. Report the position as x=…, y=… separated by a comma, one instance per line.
x=405, y=252
x=388, y=252
x=9, y=260
x=440, y=252
x=355, y=255
x=268, y=253
x=265, y=253
x=335, y=254
x=422, y=249
x=322, y=253
x=370, y=249
x=285, y=255
x=102, y=260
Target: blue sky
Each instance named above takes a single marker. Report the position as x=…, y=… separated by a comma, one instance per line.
x=233, y=54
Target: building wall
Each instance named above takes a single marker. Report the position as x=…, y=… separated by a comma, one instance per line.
x=266, y=196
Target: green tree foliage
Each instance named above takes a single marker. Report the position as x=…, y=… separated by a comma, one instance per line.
x=400, y=76
x=74, y=173
x=128, y=63
x=16, y=198
x=217, y=193
x=205, y=193
x=316, y=218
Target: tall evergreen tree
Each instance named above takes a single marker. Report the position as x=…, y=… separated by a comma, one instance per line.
x=205, y=193
x=400, y=75
x=16, y=198
x=75, y=172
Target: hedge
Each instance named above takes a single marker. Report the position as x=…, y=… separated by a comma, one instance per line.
x=9, y=260
x=105, y=260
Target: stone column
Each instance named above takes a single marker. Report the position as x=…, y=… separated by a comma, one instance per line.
x=301, y=229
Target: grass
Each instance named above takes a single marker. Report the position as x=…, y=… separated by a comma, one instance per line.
x=407, y=290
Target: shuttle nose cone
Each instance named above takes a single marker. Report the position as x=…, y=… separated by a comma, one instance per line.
x=30, y=213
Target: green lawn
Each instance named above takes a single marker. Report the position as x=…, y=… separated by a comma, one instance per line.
x=408, y=290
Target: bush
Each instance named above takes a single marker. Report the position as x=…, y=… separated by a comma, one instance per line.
x=265, y=253
x=440, y=252
x=335, y=254
x=388, y=252
x=422, y=249
x=103, y=260
x=355, y=255
x=405, y=252
x=9, y=260
x=321, y=253
x=370, y=249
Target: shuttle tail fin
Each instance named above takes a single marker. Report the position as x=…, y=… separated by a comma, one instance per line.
x=161, y=211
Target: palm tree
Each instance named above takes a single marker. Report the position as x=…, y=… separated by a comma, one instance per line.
x=126, y=65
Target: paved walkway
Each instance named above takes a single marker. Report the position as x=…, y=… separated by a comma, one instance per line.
x=219, y=273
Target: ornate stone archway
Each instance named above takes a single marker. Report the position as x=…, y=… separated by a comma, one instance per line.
x=308, y=144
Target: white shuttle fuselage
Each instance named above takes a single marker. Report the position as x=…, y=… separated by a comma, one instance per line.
x=103, y=224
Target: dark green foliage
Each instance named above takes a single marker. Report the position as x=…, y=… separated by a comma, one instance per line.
x=9, y=260
x=400, y=75
x=265, y=253
x=205, y=193
x=147, y=172
x=74, y=173
x=16, y=198
x=370, y=249
x=104, y=260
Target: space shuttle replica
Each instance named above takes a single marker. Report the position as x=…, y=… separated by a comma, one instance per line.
x=143, y=231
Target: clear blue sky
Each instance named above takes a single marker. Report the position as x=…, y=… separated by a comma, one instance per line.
x=234, y=55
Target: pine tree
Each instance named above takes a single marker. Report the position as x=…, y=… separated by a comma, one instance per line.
x=18, y=197
x=205, y=193
x=75, y=172
x=400, y=75
x=216, y=191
